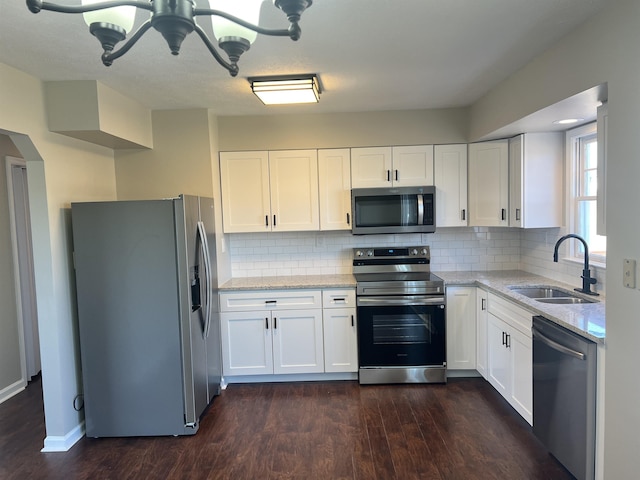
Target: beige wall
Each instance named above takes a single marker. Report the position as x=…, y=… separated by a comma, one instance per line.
x=411, y=127
x=180, y=161
x=10, y=367
x=598, y=52
x=60, y=170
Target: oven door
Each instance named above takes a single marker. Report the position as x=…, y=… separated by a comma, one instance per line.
x=401, y=331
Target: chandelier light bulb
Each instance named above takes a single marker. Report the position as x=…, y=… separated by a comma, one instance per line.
x=247, y=10
x=120, y=16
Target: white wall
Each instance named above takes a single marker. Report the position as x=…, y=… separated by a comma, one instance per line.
x=60, y=170
x=11, y=380
x=602, y=50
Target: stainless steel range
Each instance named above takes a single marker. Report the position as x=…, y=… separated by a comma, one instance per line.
x=401, y=316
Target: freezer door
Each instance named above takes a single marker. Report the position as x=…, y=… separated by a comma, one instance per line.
x=193, y=306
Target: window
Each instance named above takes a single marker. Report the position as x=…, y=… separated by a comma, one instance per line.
x=582, y=147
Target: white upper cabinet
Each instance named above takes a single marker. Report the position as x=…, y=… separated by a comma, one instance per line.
x=392, y=166
x=489, y=184
x=413, y=166
x=269, y=191
x=294, y=190
x=334, y=181
x=450, y=178
x=246, y=204
x=535, y=180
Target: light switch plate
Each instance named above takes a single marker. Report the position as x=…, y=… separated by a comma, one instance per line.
x=629, y=273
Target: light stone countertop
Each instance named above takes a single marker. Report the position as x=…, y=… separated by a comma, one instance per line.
x=587, y=319
x=289, y=282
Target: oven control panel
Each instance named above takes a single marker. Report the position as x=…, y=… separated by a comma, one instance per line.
x=394, y=253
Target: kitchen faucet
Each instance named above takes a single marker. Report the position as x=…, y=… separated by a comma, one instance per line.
x=587, y=280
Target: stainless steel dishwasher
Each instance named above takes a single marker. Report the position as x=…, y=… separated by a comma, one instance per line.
x=564, y=396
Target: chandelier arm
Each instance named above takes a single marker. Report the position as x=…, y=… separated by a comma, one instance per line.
x=244, y=23
x=232, y=68
x=109, y=57
x=36, y=5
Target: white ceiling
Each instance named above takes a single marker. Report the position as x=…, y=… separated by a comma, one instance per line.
x=370, y=54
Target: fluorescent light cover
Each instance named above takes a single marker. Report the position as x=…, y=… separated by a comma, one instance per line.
x=121, y=16
x=287, y=90
x=568, y=121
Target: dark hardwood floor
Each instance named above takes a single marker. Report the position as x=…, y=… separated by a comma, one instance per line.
x=332, y=430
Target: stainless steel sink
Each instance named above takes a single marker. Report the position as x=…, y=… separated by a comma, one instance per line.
x=548, y=294
x=564, y=300
x=540, y=292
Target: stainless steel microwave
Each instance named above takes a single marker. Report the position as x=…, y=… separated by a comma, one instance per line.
x=393, y=210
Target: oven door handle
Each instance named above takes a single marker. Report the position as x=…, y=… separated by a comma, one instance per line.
x=400, y=300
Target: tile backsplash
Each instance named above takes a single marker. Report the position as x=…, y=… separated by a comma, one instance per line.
x=452, y=249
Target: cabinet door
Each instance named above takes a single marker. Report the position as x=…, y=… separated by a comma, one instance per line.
x=246, y=343
x=297, y=341
x=340, y=340
x=521, y=395
x=371, y=167
x=450, y=178
x=294, y=190
x=481, y=332
x=412, y=166
x=498, y=358
x=461, y=328
x=536, y=180
x=244, y=181
x=334, y=182
x=489, y=184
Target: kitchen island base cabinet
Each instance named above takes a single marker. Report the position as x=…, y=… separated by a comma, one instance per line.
x=509, y=354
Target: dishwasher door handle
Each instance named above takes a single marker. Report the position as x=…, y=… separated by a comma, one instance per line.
x=557, y=346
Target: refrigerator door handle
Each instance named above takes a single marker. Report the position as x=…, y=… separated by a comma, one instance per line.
x=207, y=274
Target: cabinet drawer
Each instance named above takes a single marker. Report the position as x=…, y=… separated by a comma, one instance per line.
x=270, y=300
x=511, y=313
x=342, y=298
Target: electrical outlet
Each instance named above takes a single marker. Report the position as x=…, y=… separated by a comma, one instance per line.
x=629, y=273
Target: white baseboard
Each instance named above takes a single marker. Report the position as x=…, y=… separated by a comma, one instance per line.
x=11, y=390
x=290, y=377
x=55, y=443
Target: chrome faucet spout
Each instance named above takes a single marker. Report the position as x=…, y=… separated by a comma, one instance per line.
x=587, y=279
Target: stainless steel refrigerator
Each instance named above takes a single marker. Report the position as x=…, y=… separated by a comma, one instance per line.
x=148, y=321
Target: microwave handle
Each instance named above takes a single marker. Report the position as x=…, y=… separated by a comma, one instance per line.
x=420, y=209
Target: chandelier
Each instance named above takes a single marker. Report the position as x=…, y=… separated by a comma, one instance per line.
x=234, y=23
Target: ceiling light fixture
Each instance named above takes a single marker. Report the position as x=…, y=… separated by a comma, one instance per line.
x=286, y=89
x=234, y=23
x=568, y=121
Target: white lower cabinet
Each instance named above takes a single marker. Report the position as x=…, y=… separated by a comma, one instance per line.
x=286, y=332
x=510, y=354
x=268, y=342
x=461, y=328
x=481, y=331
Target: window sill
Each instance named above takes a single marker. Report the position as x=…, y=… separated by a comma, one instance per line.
x=592, y=263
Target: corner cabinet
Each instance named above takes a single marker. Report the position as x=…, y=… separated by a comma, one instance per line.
x=403, y=166
x=450, y=179
x=269, y=191
x=461, y=328
x=536, y=172
x=482, y=314
x=334, y=182
x=510, y=354
x=489, y=184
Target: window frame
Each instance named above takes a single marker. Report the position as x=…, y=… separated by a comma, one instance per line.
x=575, y=178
